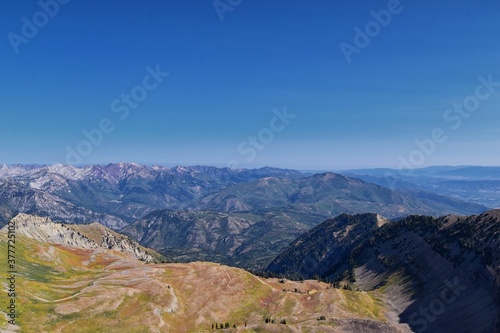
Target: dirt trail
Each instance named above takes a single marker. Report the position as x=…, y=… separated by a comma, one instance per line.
x=55, y=301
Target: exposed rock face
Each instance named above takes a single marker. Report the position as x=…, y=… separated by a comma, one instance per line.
x=44, y=230
x=112, y=240
x=83, y=236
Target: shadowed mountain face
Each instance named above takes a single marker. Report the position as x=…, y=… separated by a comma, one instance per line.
x=441, y=274
x=328, y=245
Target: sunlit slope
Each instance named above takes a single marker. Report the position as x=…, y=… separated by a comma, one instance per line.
x=68, y=289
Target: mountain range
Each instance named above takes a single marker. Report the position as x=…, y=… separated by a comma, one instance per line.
x=115, y=194
x=239, y=217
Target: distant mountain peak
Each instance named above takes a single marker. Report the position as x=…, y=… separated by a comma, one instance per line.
x=328, y=175
x=181, y=169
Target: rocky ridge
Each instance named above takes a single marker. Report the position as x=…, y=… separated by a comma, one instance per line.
x=90, y=236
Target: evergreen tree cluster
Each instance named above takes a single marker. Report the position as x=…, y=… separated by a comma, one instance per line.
x=222, y=326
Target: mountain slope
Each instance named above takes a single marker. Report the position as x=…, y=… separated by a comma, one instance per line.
x=260, y=218
x=89, y=236
x=450, y=265
x=63, y=288
x=249, y=240
x=332, y=194
x=328, y=245
x=17, y=198
x=119, y=194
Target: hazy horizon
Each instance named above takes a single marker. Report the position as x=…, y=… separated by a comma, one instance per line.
x=173, y=165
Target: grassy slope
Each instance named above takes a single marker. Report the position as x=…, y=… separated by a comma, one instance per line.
x=65, y=289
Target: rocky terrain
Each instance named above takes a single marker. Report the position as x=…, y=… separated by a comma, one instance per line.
x=90, y=236
x=415, y=274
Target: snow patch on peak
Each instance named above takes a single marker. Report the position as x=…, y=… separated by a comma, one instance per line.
x=68, y=171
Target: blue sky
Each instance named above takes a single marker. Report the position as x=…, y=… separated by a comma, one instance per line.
x=227, y=76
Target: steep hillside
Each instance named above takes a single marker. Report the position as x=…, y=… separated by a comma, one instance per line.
x=449, y=265
x=63, y=288
x=326, y=246
x=440, y=274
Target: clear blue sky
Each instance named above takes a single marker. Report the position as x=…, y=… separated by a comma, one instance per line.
x=226, y=77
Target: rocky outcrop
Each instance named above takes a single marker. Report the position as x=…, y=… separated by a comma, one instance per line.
x=90, y=236
x=112, y=240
